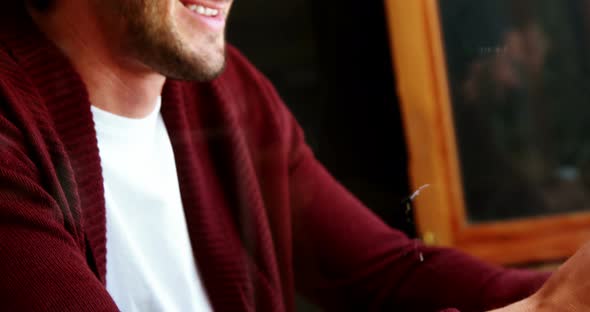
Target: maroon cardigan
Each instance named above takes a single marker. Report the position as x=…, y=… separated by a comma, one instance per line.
x=264, y=217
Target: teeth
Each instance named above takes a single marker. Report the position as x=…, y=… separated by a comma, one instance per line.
x=203, y=10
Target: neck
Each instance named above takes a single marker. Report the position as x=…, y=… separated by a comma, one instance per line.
x=115, y=83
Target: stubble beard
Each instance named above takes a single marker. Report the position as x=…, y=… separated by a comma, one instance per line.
x=153, y=42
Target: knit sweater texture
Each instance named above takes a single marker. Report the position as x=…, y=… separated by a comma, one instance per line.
x=264, y=217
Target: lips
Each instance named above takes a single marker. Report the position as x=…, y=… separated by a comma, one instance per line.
x=209, y=13
x=206, y=8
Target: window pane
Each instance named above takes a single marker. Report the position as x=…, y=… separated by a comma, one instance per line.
x=519, y=74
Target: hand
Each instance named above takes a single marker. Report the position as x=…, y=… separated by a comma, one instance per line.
x=568, y=289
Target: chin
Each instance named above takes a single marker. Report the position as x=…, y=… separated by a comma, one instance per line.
x=171, y=56
x=187, y=47
x=196, y=67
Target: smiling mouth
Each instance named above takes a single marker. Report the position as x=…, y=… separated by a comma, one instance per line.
x=203, y=9
x=209, y=13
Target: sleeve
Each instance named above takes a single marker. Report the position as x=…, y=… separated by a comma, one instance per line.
x=42, y=267
x=347, y=259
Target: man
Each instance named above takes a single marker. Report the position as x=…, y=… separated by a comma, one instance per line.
x=147, y=166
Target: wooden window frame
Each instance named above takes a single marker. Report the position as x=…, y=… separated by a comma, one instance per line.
x=422, y=85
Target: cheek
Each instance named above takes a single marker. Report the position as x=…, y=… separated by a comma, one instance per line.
x=185, y=20
x=191, y=31
x=154, y=12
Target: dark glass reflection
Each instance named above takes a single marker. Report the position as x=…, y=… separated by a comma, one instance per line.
x=520, y=83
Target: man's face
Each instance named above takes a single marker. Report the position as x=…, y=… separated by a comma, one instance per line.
x=181, y=39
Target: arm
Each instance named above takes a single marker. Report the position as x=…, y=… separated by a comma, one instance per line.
x=42, y=267
x=347, y=259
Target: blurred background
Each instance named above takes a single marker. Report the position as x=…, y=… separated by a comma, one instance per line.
x=519, y=74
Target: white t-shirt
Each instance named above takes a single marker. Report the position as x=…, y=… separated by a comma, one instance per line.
x=150, y=264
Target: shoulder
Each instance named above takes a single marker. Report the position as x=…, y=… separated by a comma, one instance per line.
x=266, y=111
x=240, y=84
x=250, y=91
x=244, y=77
x=247, y=95
x=243, y=99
